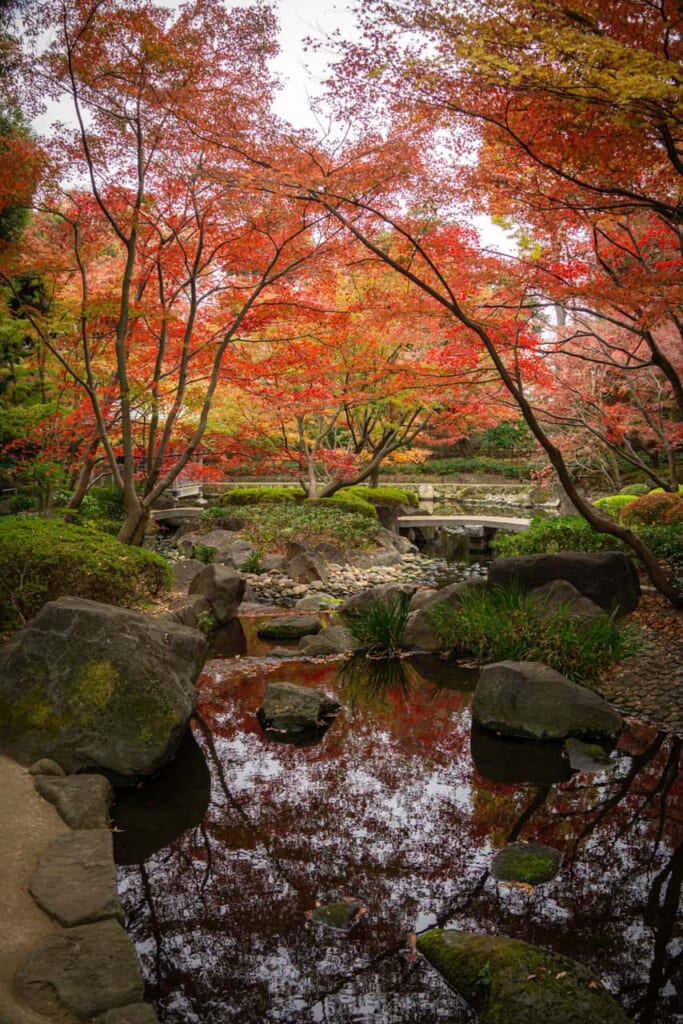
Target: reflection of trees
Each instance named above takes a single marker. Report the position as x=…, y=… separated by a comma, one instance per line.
x=389, y=809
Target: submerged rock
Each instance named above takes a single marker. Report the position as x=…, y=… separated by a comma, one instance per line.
x=527, y=698
x=586, y=757
x=289, y=709
x=529, y=863
x=339, y=916
x=511, y=982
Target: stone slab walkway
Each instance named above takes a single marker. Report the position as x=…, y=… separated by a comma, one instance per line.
x=28, y=826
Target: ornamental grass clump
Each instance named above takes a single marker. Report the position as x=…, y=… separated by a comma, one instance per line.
x=508, y=625
x=378, y=626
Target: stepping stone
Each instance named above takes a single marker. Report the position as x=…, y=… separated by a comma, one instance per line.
x=81, y=971
x=75, y=880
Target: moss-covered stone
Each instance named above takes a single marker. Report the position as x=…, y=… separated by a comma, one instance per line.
x=530, y=863
x=290, y=627
x=508, y=981
x=91, y=685
x=339, y=916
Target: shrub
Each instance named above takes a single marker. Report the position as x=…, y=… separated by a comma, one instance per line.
x=261, y=495
x=252, y=563
x=383, y=495
x=20, y=503
x=614, y=503
x=655, y=509
x=271, y=526
x=344, y=502
x=42, y=559
x=205, y=553
x=378, y=625
x=501, y=624
x=636, y=490
x=556, y=533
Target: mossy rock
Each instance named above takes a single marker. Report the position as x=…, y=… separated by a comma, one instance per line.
x=91, y=685
x=530, y=863
x=338, y=916
x=508, y=981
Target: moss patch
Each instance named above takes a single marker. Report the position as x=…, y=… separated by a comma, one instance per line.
x=511, y=982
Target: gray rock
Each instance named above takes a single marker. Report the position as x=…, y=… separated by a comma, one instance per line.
x=331, y=640
x=83, y=801
x=46, y=767
x=419, y=631
x=219, y=540
x=288, y=708
x=138, y=1013
x=290, y=627
x=586, y=757
x=240, y=552
x=272, y=563
x=314, y=602
x=94, y=686
x=383, y=592
x=529, y=699
x=371, y=559
x=83, y=971
x=608, y=578
x=224, y=589
x=559, y=594
x=421, y=597
x=185, y=570
x=187, y=610
x=75, y=880
x=305, y=566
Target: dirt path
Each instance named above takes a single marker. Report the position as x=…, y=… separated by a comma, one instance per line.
x=28, y=825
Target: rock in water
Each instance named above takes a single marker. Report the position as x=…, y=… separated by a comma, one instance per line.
x=291, y=709
x=94, y=686
x=528, y=863
x=529, y=699
x=511, y=982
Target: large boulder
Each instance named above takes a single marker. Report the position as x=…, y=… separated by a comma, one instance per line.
x=290, y=627
x=529, y=699
x=94, y=686
x=331, y=640
x=419, y=631
x=508, y=981
x=608, y=578
x=559, y=595
x=305, y=565
x=223, y=588
x=382, y=593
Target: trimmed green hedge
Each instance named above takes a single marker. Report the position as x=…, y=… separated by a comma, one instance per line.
x=343, y=501
x=383, y=495
x=42, y=559
x=261, y=496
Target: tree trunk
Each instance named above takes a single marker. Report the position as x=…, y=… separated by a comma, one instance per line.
x=134, y=525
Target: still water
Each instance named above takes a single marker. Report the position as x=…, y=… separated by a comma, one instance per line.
x=401, y=806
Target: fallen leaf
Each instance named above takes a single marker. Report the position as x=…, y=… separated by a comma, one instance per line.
x=530, y=977
x=561, y=974
x=594, y=984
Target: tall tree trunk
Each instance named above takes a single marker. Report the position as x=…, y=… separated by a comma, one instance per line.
x=135, y=524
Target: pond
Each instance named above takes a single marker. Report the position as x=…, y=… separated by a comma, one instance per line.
x=401, y=806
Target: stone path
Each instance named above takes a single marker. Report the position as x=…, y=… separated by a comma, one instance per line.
x=29, y=824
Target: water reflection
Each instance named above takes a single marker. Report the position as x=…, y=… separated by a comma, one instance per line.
x=390, y=809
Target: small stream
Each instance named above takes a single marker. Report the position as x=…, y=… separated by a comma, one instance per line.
x=402, y=806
